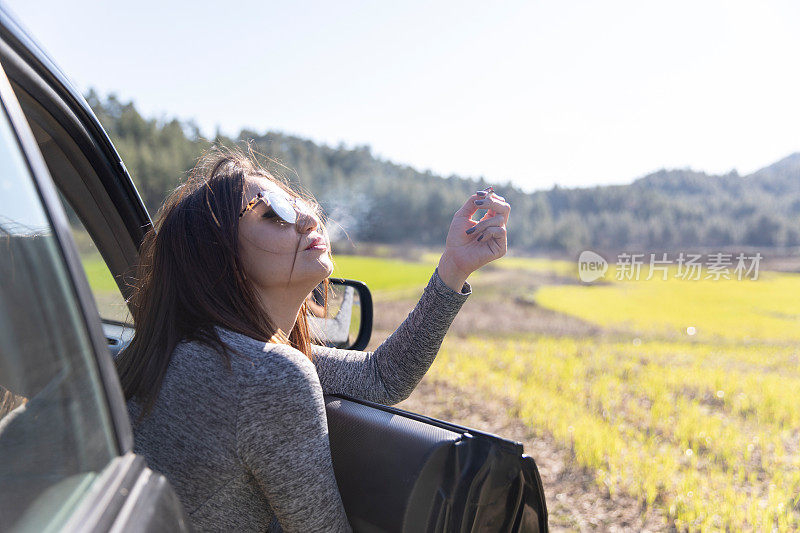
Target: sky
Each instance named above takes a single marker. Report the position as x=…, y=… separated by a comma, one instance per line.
x=534, y=93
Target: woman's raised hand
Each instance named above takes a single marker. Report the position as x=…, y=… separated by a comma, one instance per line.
x=470, y=244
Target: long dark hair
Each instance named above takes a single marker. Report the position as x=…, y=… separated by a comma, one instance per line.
x=190, y=277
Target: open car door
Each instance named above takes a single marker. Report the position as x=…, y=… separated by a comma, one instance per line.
x=399, y=471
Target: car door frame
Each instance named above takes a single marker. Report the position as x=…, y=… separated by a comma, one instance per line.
x=29, y=67
x=24, y=63
x=126, y=495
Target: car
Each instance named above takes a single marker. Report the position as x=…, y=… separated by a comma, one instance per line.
x=66, y=443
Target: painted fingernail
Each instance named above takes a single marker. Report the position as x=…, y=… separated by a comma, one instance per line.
x=480, y=193
x=478, y=202
x=480, y=237
x=470, y=231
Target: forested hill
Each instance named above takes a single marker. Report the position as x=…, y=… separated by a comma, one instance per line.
x=380, y=201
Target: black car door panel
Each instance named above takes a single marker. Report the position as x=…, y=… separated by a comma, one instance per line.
x=398, y=471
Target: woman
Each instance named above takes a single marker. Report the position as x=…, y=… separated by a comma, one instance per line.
x=224, y=385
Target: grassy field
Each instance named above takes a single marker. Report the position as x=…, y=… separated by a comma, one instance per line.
x=686, y=400
x=766, y=310
x=385, y=276
x=689, y=401
x=107, y=297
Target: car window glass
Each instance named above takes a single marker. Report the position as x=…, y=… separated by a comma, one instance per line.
x=55, y=430
x=107, y=296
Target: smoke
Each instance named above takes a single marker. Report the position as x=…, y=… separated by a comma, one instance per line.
x=347, y=214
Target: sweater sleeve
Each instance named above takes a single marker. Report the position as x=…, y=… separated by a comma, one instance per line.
x=282, y=439
x=390, y=373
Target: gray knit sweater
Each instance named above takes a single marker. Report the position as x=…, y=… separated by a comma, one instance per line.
x=247, y=449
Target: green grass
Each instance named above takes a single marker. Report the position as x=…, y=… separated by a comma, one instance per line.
x=107, y=297
x=100, y=278
x=384, y=275
x=762, y=310
x=704, y=426
x=706, y=432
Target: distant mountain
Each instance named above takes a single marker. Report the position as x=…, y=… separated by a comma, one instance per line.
x=370, y=199
x=779, y=178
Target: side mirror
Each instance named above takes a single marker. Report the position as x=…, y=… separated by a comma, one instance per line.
x=348, y=323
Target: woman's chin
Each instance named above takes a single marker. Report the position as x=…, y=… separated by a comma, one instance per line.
x=328, y=270
x=326, y=263
x=322, y=269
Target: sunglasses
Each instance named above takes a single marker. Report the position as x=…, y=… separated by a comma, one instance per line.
x=284, y=207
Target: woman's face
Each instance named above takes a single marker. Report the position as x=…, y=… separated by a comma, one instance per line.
x=277, y=254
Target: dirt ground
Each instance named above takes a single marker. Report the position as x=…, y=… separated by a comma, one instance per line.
x=501, y=305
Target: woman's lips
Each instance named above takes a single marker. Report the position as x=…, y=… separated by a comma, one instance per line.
x=317, y=244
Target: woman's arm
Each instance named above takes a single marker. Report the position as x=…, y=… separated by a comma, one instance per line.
x=282, y=438
x=389, y=374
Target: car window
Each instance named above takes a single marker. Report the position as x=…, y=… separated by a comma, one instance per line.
x=55, y=430
x=107, y=296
